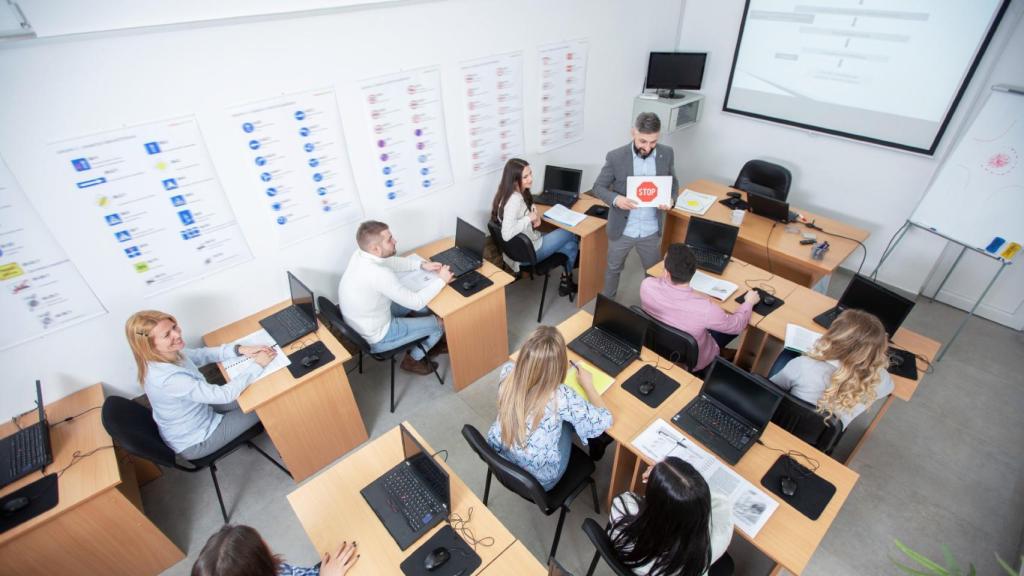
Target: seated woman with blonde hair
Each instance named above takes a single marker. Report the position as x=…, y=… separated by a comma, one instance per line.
x=195, y=418
x=537, y=413
x=845, y=371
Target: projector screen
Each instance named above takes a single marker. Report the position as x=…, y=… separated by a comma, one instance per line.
x=890, y=72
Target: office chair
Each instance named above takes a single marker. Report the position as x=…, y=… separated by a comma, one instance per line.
x=576, y=477
x=764, y=178
x=330, y=315
x=521, y=250
x=724, y=566
x=131, y=425
x=803, y=420
x=668, y=342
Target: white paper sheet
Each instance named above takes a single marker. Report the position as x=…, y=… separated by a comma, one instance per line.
x=563, y=215
x=416, y=280
x=260, y=337
x=714, y=287
x=695, y=202
x=800, y=339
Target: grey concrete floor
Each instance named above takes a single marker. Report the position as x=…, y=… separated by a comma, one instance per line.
x=945, y=468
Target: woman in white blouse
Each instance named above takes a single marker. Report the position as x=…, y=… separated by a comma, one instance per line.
x=513, y=208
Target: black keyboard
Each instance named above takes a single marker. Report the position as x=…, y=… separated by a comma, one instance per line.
x=552, y=198
x=608, y=347
x=28, y=450
x=411, y=498
x=294, y=321
x=709, y=258
x=457, y=261
x=730, y=429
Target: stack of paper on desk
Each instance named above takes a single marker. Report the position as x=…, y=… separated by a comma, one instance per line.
x=563, y=215
x=695, y=202
x=714, y=287
x=418, y=279
x=261, y=337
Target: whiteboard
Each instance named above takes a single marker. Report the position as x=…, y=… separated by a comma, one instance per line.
x=978, y=193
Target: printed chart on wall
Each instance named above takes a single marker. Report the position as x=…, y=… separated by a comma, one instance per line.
x=405, y=114
x=294, y=153
x=151, y=196
x=563, y=84
x=494, y=110
x=41, y=291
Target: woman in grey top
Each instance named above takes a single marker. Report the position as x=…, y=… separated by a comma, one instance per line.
x=195, y=418
x=845, y=371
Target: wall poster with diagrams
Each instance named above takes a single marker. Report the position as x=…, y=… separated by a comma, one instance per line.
x=494, y=110
x=563, y=86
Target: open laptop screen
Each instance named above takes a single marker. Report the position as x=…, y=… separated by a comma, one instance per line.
x=302, y=297
x=468, y=238
x=619, y=320
x=39, y=402
x=741, y=392
x=423, y=464
x=558, y=179
x=891, y=308
x=719, y=237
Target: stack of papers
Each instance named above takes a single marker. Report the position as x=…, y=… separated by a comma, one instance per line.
x=564, y=216
x=601, y=381
x=261, y=337
x=800, y=339
x=714, y=287
x=751, y=507
x=416, y=280
x=695, y=202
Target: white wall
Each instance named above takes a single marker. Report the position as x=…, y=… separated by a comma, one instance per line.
x=869, y=186
x=63, y=87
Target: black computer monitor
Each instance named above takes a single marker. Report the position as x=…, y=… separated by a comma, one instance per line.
x=741, y=392
x=619, y=320
x=558, y=179
x=701, y=232
x=890, y=308
x=675, y=71
x=302, y=297
x=468, y=237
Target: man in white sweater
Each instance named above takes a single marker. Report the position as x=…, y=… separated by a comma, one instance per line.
x=377, y=306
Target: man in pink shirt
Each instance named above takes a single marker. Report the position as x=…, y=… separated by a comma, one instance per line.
x=670, y=299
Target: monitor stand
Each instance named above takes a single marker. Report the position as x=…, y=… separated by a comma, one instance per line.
x=671, y=95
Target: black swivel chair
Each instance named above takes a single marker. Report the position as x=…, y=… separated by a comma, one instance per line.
x=764, y=178
x=521, y=250
x=669, y=342
x=724, y=566
x=803, y=420
x=330, y=315
x=576, y=477
x=131, y=425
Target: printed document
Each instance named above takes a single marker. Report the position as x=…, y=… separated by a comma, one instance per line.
x=714, y=287
x=261, y=337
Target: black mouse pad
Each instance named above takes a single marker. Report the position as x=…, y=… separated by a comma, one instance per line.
x=598, y=212
x=42, y=495
x=813, y=493
x=762, y=308
x=316, y=348
x=479, y=282
x=663, y=385
x=463, y=559
x=733, y=203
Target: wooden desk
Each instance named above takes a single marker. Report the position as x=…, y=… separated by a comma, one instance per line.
x=593, y=256
x=516, y=560
x=761, y=240
x=312, y=420
x=98, y=525
x=331, y=509
x=476, y=327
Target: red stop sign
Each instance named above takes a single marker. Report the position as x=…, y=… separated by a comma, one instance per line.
x=646, y=191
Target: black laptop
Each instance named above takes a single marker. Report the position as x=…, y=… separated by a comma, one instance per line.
x=771, y=208
x=295, y=321
x=711, y=243
x=412, y=497
x=731, y=411
x=28, y=449
x=468, y=253
x=561, y=186
x=891, y=308
x=615, y=338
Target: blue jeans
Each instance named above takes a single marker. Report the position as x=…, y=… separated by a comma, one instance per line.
x=559, y=241
x=405, y=329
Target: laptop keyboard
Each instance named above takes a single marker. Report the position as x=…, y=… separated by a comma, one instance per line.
x=829, y=316
x=708, y=258
x=608, y=347
x=457, y=261
x=411, y=497
x=28, y=450
x=730, y=429
x=294, y=321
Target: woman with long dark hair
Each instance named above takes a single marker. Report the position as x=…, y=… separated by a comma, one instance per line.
x=513, y=208
x=679, y=528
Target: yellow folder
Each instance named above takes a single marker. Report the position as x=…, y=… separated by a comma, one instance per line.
x=601, y=380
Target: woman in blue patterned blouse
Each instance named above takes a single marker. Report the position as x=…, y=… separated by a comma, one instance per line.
x=537, y=413
x=240, y=551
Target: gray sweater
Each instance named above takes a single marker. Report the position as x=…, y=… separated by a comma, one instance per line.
x=807, y=379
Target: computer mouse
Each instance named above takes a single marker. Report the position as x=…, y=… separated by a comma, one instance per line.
x=437, y=557
x=646, y=387
x=788, y=485
x=310, y=360
x=735, y=195
x=468, y=285
x=768, y=299
x=15, y=504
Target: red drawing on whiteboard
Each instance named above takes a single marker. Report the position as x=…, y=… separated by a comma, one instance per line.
x=646, y=191
x=1002, y=163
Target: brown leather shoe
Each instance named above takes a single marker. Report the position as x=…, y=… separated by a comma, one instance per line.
x=440, y=348
x=422, y=367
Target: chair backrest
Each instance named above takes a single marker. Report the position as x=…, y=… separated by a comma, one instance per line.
x=330, y=314
x=511, y=476
x=519, y=248
x=803, y=420
x=765, y=178
x=668, y=342
x=132, y=427
x=495, y=230
x=599, y=537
